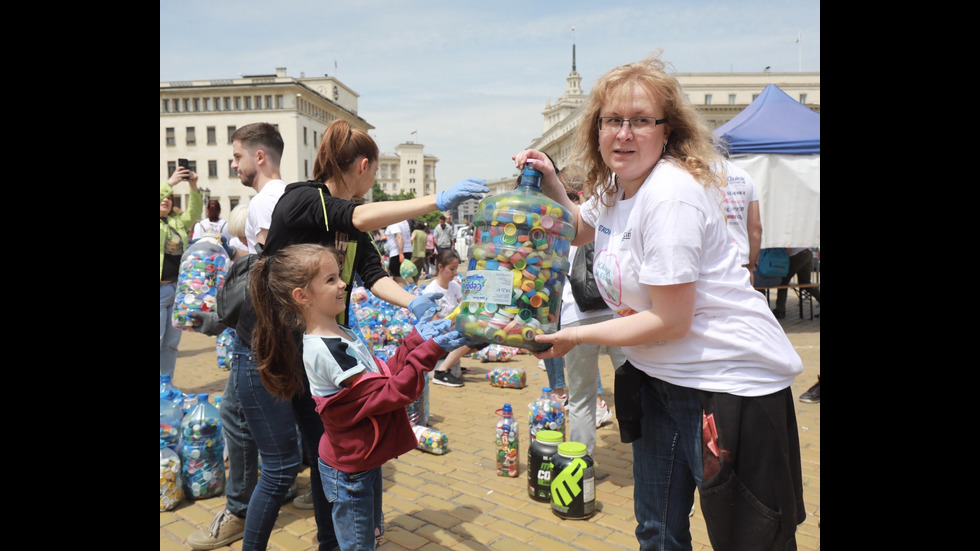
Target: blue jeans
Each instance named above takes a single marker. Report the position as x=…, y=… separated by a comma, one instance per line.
x=243, y=452
x=272, y=423
x=667, y=465
x=556, y=372
x=356, y=499
x=169, y=335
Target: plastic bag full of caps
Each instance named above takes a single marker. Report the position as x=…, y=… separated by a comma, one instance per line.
x=383, y=325
x=507, y=377
x=203, y=268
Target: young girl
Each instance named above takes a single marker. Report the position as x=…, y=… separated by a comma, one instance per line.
x=447, y=264
x=360, y=398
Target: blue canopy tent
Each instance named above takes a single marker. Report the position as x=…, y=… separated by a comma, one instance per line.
x=776, y=139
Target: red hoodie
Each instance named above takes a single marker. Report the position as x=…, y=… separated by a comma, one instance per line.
x=366, y=424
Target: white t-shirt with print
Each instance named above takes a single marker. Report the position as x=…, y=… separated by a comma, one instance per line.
x=673, y=232
x=331, y=360
x=739, y=192
x=451, y=297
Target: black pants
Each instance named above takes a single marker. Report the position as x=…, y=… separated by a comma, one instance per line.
x=800, y=265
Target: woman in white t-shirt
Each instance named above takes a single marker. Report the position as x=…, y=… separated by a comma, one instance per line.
x=705, y=395
x=448, y=370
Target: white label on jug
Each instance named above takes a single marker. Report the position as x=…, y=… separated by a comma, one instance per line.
x=488, y=286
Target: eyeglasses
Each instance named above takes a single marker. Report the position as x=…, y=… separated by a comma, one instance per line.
x=637, y=124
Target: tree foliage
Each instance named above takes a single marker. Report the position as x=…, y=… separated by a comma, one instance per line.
x=378, y=195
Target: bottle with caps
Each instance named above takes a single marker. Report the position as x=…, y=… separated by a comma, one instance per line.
x=203, y=268
x=508, y=442
x=223, y=347
x=545, y=413
x=169, y=390
x=202, y=451
x=418, y=410
x=431, y=440
x=171, y=490
x=170, y=418
x=517, y=266
x=573, y=482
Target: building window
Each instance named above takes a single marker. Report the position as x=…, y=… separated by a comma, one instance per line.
x=268, y=102
x=207, y=104
x=166, y=106
x=248, y=102
x=212, y=136
x=197, y=104
x=258, y=102
x=304, y=136
x=306, y=169
x=171, y=167
x=191, y=139
x=707, y=99
x=754, y=96
x=314, y=138
x=192, y=165
x=227, y=103
x=212, y=169
x=232, y=173
x=171, y=140
x=279, y=101
x=231, y=132
x=233, y=202
x=238, y=103
x=731, y=99
x=802, y=98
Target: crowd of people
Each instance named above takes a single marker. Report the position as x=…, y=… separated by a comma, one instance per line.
x=702, y=367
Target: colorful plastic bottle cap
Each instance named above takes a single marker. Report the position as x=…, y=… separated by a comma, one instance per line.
x=528, y=334
x=510, y=229
x=535, y=300
x=473, y=307
x=547, y=222
x=539, y=285
x=499, y=336
x=519, y=264
x=490, y=307
x=525, y=315
x=536, y=234
x=527, y=285
x=492, y=264
x=519, y=217
x=508, y=239
x=514, y=340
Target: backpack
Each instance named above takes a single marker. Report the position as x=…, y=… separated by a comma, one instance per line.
x=233, y=294
x=774, y=262
x=580, y=277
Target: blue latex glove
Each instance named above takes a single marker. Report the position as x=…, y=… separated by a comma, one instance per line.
x=421, y=303
x=429, y=329
x=452, y=340
x=470, y=188
x=210, y=324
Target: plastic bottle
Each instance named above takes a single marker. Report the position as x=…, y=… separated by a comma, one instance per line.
x=202, y=451
x=545, y=413
x=171, y=490
x=540, y=454
x=518, y=263
x=223, y=347
x=431, y=440
x=508, y=442
x=573, y=482
x=168, y=390
x=203, y=268
x=190, y=400
x=170, y=417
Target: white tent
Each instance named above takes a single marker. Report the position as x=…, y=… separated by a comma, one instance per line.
x=776, y=140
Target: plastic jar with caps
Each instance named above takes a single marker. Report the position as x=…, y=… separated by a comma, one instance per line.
x=202, y=448
x=171, y=490
x=223, y=348
x=517, y=266
x=170, y=418
x=540, y=455
x=545, y=413
x=203, y=268
x=169, y=390
x=573, y=482
x=431, y=440
x=507, y=442
x=507, y=377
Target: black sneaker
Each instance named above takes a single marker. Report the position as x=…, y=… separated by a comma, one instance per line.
x=446, y=378
x=812, y=396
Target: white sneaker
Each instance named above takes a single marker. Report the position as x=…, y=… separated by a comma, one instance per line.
x=602, y=414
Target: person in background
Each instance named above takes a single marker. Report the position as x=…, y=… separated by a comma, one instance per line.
x=443, y=234
x=741, y=206
x=705, y=394
x=801, y=266
x=399, y=240
x=256, y=153
x=587, y=411
x=360, y=399
x=237, y=245
x=430, y=253
x=419, y=234
x=448, y=371
x=173, y=242
x=213, y=223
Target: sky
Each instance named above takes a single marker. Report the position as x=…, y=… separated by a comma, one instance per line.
x=471, y=78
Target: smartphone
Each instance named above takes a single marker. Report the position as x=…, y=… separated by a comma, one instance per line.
x=183, y=163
